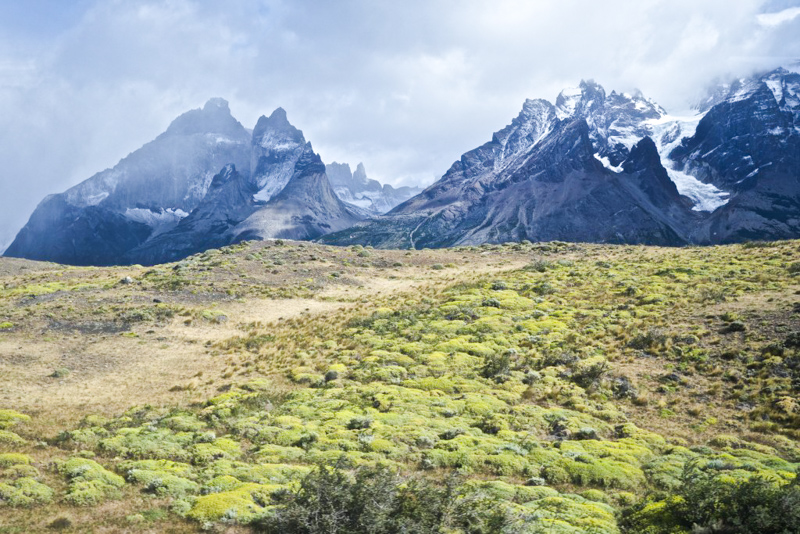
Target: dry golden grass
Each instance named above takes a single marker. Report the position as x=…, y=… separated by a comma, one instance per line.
x=82, y=342
x=112, y=366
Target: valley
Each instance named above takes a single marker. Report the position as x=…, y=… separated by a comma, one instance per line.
x=568, y=387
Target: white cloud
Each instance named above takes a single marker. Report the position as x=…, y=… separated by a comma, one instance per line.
x=778, y=18
x=405, y=87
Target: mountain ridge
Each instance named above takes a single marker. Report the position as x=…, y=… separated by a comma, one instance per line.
x=681, y=167
x=185, y=191
x=591, y=166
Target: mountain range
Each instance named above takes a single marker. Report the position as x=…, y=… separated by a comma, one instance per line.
x=591, y=166
x=617, y=168
x=205, y=182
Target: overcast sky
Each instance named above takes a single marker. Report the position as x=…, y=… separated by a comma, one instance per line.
x=404, y=86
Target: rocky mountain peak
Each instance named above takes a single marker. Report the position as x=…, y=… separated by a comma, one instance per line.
x=643, y=154
x=784, y=84
x=339, y=173
x=360, y=174
x=567, y=102
x=277, y=147
x=592, y=92
x=534, y=121
x=224, y=176
x=361, y=191
x=276, y=131
x=215, y=104
x=213, y=118
x=309, y=162
x=581, y=100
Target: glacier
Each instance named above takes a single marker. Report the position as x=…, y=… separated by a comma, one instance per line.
x=667, y=133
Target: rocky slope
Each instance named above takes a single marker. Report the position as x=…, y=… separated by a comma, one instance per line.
x=592, y=167
x=146, y=193
x=288, y=196
x=170, y=199
x=577, y=170
x=748, y=144
x=229, y=200
x=616, y=168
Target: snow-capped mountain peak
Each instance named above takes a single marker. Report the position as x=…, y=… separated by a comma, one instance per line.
x=277, y=146
x=567, y=102
x=358, y=189
x=534, y=122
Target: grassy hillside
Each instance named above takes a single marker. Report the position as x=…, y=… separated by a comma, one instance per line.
x=293, y=387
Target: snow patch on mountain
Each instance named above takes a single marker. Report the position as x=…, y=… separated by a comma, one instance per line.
x=667, y=133
x=607, y=164
x=199, y=186
x=94, y=200
x=706, y=197
x=567, y=102
x=160, y=221
x=273, y=183
x=535, y=122
x=744, y=89
x=277, y=147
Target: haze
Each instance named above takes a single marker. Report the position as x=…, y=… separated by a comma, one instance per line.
x=405, y=87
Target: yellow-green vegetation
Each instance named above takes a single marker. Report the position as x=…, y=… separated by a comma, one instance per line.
x=564, y=388
x=89, y=482
x=19, y=484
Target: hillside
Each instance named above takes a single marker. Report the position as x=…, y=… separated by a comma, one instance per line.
x=526, y=387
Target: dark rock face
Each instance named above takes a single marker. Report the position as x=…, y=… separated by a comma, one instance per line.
x=229, y=200
x=587, y=169
x=541, y=178
x=749, y=144
x=276, y=148
x=169, y=199
x=357, y=189
x=306, y=208
x=288, y=196
x=91, y=235
x=146, y=193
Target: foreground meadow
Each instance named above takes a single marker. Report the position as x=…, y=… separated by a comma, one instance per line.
x=291, y=387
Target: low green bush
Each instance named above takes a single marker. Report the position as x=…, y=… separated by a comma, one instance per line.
x=710, y=500
x=89, y=482
x=25, y=491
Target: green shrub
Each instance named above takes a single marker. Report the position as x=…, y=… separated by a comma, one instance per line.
x=162, y=477
x=24, y=491
x=378, y=501
x=10, y=438
x=242, y=503
x=148, y=442
x=12, y=458
x=61, y=372
x=710, y=500
x=9, y=418
x=89, y=482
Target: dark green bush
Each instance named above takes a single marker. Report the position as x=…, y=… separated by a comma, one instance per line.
x=376, y=500
x=709, y=501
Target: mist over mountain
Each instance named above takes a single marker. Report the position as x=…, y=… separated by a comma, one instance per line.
x=617, y=168
x=187, y=191
x=357, y=189
x=592, y=166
